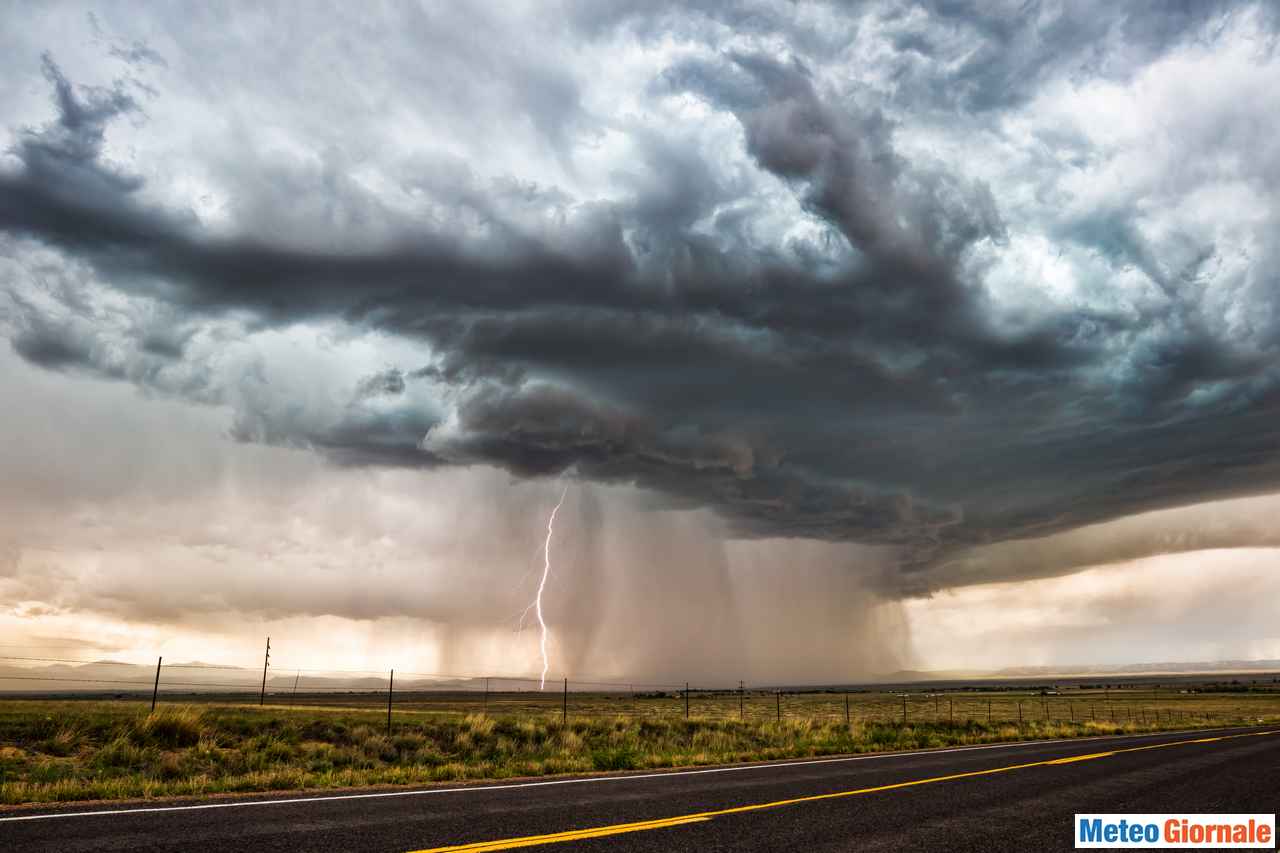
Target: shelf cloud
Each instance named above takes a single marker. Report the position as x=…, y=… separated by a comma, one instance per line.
x=940, y=279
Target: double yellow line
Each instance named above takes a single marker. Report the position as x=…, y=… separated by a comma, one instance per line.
x=664, y=823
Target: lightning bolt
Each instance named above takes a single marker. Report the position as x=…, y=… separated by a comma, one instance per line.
x=546, y=572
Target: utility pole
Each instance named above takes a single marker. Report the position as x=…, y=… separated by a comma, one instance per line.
x=391, y=686
x=156, y=690
x=262, y=698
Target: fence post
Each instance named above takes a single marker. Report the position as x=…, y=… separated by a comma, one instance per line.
x=262, y=698
x=1019, y=714
x=951, y=711
x=904, y=709
x=156, y=689
x=742, y=708
x=1071, y=711
x=686, y=700
x=391, y=686
x=294, y=695
x=486, y=694
x=777, y=698
x=564, y=706
x=846, y=708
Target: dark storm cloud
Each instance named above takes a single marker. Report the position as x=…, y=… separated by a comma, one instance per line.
x=389, y=382
x=855, y=384
x=1227, y=524
x=55, y=349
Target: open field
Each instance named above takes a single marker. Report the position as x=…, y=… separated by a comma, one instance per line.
x=61, y=750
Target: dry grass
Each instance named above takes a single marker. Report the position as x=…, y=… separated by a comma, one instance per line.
x=77, y=750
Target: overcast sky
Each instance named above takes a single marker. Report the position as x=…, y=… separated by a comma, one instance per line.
x=947, y=329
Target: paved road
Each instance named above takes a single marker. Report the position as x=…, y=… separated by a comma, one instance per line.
x=987, y=798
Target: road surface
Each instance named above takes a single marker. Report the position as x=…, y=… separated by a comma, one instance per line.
x=987, y=798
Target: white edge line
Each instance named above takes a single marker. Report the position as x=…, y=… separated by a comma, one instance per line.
x=665, y=774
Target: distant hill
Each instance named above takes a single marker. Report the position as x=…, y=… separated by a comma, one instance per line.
x=1218, y=667
x=105, y=676
x=934, y=675
x=1167, y=667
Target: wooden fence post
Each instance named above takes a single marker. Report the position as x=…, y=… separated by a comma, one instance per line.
x=155, y=691
x=262, y=699
x=391, y=686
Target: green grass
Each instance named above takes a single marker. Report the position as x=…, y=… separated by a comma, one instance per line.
x=81, y=750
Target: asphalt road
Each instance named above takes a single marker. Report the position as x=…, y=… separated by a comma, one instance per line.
x=1015, y=797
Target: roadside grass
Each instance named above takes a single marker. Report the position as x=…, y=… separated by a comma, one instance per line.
x=53, y=751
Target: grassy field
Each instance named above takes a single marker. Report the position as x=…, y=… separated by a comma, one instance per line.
x=80, y=750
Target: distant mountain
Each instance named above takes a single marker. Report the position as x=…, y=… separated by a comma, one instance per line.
x=933, y=675
x=1167, y=667
x=1220, y=667
x=105, y=676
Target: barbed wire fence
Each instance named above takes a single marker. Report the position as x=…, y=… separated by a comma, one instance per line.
x=276, y=683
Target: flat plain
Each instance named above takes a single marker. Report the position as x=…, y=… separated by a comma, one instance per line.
x=77, y=749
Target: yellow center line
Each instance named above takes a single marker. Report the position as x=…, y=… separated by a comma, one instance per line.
x=574, y=835
x=681, y=820
x=1074, y=758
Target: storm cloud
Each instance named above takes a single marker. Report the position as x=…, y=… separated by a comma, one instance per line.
x=931, y=276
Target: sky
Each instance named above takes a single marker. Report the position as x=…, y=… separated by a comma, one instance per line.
x=857, y=336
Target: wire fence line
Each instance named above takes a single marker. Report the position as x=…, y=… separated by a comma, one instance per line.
x=275, y=684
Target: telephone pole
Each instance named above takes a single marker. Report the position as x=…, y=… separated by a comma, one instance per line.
x=156, y=689
x=262, y=698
